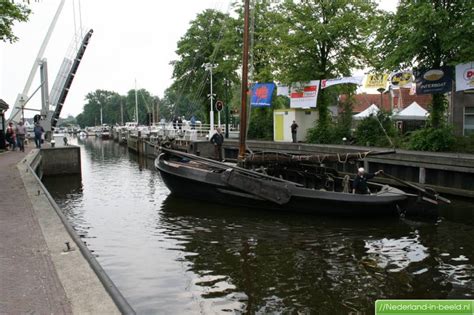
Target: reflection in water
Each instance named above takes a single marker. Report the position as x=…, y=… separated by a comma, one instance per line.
x=396, y=254
x=168, y=255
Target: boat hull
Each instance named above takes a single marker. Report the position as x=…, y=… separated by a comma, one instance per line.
x=210, y=187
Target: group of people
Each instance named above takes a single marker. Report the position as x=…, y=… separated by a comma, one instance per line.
x=178, y=122
x=16, y=136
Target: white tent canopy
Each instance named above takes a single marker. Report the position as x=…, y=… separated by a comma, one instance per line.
x=371, y=110
x=412, y=112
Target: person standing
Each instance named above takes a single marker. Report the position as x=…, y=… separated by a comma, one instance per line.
x=294, y=128
x=359, y=186
x=10, y=136
x=217, y=139
x=193, y=122
x=175, y=122
x=20, y=135
x=38, y=130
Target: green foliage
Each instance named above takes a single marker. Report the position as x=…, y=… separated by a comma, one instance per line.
x=432, y=139
x=464, y=144
x=320, y=40
x=322, y=133
x=10, y=13
x=438, y=108
x=373, y=130
x=111, y=103
x=333, y=132
x=68, y=121
x=211, y=38
x=426, y=33
x=261, y=124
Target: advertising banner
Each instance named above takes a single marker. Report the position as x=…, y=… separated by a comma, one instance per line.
x=262, y=94
x=331, y=82
x=430, y=81
x=375, y=81
x=304, y=95
x=401, y=79
x=465, y=76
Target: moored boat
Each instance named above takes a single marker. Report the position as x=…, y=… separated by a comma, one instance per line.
x=322, y=191
x=294, y=183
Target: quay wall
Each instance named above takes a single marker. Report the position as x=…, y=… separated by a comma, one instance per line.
x=450, y=173
x=60, y=161
x=88, y=287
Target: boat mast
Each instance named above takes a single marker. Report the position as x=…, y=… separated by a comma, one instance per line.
x=245, y=66
x=136, y=102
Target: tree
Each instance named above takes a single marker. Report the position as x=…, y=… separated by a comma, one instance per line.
x=375, y=130
x=427, y=33
x=112, y=104
x=11, y=12
x=323, y=39
x=210, y=38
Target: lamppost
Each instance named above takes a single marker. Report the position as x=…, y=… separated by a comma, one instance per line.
x=228, y=84
x=209, y=66
x=381, y=90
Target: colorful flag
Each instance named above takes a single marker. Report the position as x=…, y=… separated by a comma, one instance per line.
x=304, y=95
x=465, y=76
x=262, y=94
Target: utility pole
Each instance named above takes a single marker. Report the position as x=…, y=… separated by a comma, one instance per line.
x=381, y=90
x=209, y=66
x=226, y=107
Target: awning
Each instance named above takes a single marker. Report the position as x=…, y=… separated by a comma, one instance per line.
x=412, y=112
x=371, y=110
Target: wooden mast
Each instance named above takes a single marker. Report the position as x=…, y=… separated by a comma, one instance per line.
x=245, y=66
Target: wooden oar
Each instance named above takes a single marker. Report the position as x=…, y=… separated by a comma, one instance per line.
x=418, y=188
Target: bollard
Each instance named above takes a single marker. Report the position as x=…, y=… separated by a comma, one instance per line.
x=53, y=143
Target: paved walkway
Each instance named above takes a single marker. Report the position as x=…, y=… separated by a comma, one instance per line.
x=29, y=283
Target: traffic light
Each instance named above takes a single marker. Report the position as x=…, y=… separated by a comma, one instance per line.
x=219, y=105
x=36, y=118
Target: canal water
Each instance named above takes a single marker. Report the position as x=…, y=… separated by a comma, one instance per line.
x=172, y=256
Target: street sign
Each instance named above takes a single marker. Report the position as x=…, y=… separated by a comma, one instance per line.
x=219, y=105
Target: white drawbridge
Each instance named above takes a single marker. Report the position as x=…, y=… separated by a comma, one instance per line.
x=51, y=102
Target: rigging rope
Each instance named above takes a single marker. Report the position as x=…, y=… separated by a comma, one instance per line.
x=74, y=19
x=80, y=18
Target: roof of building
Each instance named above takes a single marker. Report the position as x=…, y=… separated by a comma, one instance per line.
x=363, y=101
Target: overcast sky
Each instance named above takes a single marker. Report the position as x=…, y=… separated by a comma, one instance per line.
x=132, y=39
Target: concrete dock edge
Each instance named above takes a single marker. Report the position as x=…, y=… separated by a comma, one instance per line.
x=87, y=286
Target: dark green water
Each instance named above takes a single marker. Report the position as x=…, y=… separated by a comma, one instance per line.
x=171, y=256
